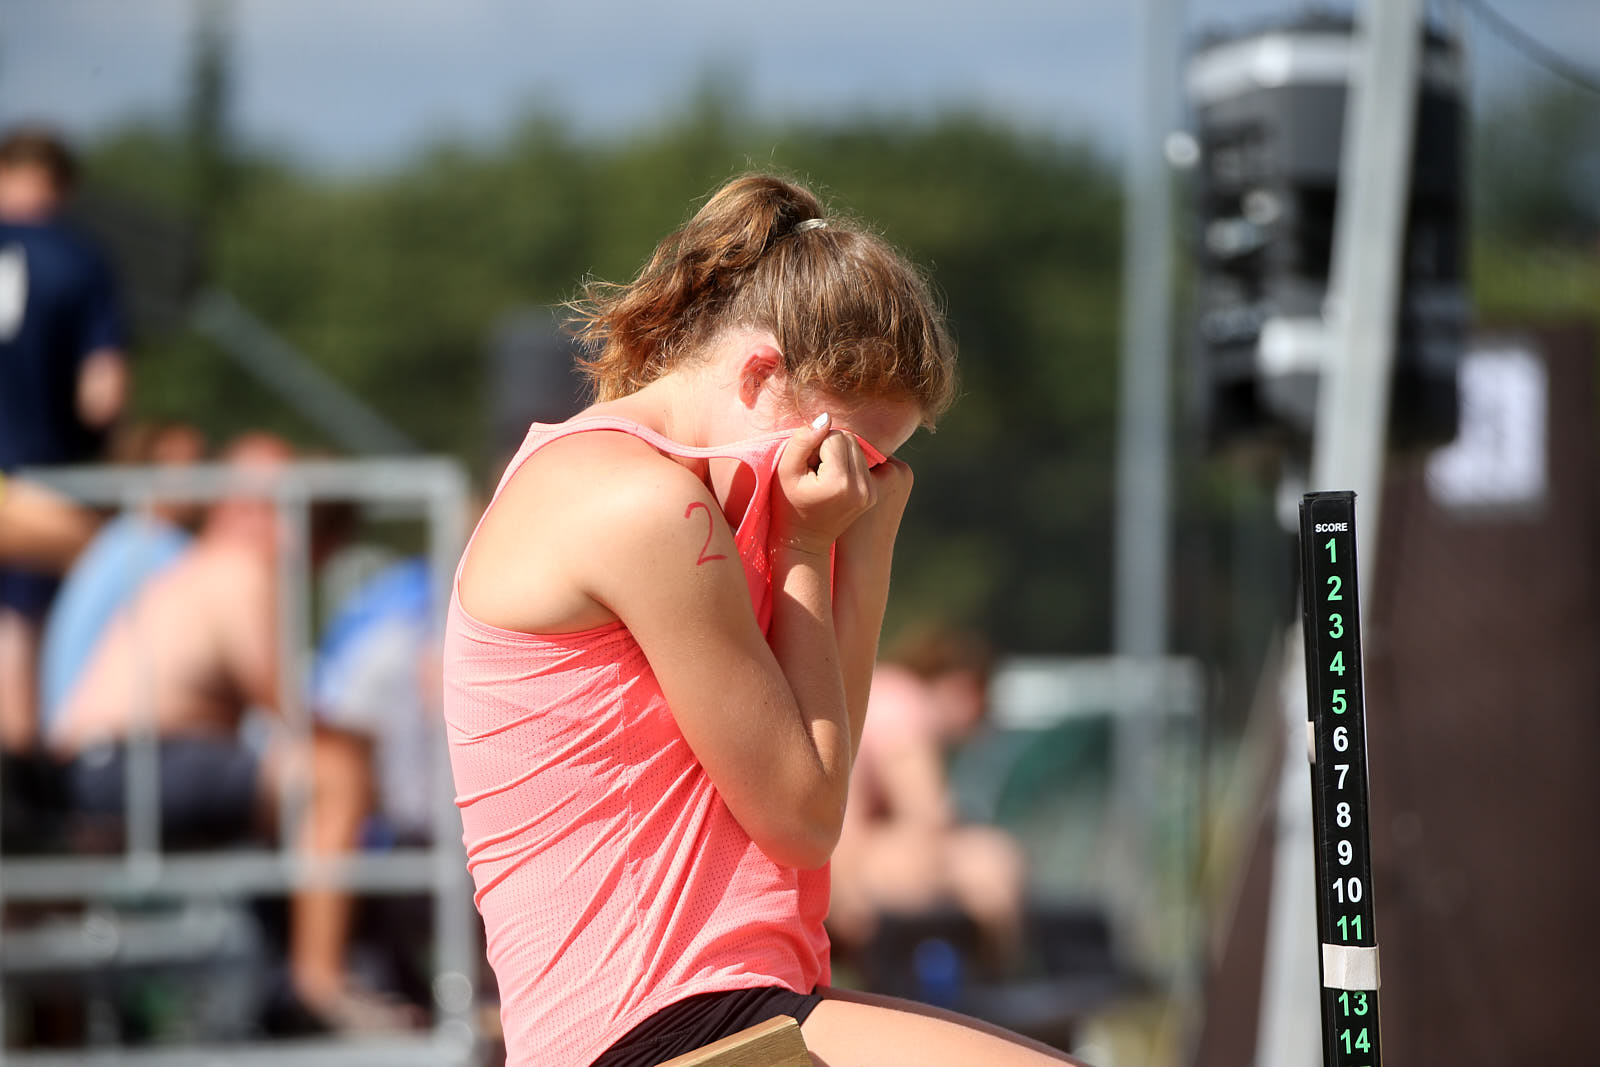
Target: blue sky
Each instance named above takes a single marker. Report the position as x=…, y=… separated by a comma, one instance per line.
x=360, y=84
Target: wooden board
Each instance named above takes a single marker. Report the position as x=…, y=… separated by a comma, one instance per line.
x=774, y=1043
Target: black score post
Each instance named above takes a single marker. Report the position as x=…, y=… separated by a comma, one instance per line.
x=1337, y=746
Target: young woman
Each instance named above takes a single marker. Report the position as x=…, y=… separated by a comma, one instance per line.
x=659, y=651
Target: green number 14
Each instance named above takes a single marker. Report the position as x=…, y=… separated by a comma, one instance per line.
x=1360, y=1044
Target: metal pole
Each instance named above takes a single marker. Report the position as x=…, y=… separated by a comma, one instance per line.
x=1143, y=527
x=307, y=388
x=454, y=916
x=1347, y=453
x=1365, y=277
x=141, y=765
x=1144, y=433
x=292, y=514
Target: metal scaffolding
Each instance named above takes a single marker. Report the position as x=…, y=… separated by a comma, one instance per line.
x=434, y=490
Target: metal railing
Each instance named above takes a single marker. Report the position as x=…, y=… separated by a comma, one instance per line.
x=436, y=490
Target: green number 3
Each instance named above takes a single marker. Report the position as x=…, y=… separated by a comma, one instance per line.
x=1337, y=622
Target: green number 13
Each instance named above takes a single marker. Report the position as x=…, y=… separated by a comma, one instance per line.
x=1359, y=999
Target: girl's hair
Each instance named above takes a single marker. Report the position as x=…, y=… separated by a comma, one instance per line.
x=851, y=316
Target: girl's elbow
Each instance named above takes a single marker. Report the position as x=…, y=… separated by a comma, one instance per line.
x=804, y=843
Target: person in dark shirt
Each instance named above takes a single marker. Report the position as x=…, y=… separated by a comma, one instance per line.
x=63, y=375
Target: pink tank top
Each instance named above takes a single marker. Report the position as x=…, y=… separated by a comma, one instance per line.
x=612, y=879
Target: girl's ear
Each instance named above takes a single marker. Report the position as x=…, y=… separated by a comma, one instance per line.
x=762, y=366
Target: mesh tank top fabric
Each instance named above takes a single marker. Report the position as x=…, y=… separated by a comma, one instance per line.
x=611, y=878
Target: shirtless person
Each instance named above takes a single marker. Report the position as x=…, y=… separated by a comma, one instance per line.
x=195, y=650
x=902, y=848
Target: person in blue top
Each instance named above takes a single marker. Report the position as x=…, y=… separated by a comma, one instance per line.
x=63, y=374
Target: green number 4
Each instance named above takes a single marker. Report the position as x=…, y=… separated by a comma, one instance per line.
x=1337, y=666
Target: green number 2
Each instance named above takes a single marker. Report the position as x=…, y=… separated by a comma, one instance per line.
x=1337, y=622
x=1337, y=583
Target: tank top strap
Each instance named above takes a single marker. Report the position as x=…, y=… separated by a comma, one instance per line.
x=540, y=434
x=655, y=438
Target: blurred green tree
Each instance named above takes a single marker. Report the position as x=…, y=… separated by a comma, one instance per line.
x=391, y=282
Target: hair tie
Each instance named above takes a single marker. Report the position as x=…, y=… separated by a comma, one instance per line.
x=810, y=224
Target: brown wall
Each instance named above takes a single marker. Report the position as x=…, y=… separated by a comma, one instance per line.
x=1483, y=725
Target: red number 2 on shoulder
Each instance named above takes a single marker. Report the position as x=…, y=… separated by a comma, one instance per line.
x=711, y=528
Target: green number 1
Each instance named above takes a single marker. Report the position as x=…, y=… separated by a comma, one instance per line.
x=1333, y=554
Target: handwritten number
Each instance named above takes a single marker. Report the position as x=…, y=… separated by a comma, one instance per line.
x=711, y=529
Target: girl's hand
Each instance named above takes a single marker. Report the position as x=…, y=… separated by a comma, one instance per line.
x=891, y=483
x=866, y=549
x=824, y=485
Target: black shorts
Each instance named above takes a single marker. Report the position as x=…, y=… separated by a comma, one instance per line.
x=28, y=594
x=208, y=788
x=698, y=1021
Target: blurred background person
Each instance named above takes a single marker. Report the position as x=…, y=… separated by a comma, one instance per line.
x=194, y=651
x=904, y=848
x=63, y=374
x=126, y=552
x=376, y=664
x=40, y=531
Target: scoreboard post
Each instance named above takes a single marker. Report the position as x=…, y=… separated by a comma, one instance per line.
x=1337, y=747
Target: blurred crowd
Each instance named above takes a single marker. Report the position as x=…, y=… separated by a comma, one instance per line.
x=167, y=617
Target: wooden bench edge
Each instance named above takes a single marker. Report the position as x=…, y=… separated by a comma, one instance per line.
x=773, y=1043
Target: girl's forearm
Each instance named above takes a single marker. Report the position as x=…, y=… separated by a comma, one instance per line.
x=861, y=596
x=807, y=647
